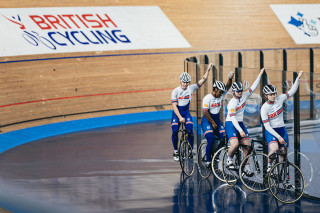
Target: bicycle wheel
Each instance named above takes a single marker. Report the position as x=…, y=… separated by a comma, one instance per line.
x=286, y=182
x=258, y=182
x=204, y=170
x=306, y=166
x=231, y=176
x=216, y=164
x=186, y=158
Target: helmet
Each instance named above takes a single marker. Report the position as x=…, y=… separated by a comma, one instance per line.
x=236, y=86
x=185, y=77
x=219, y=85
x=269, y=89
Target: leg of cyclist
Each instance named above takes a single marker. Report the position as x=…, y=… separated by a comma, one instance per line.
x=189, y=127
x=209, y=134
x=246, y=141
x=232, y=136
x=175, y=130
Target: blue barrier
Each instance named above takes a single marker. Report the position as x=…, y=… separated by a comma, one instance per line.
x=12, y=139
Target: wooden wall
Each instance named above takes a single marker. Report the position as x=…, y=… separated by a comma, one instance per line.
x=40, y=91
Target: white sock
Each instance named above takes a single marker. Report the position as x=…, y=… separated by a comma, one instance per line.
x=229, y=158
x=247, y=167
x=176, y=151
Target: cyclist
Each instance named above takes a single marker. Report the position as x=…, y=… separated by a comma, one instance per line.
x=234, y=123
x=272, y=117
x=181, y=97
x=210, y=123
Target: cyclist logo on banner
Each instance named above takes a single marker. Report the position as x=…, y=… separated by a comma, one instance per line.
x=31, y=37
x=308, y=27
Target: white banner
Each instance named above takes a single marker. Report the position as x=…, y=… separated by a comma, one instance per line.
x=302, y=21
x=27, y=31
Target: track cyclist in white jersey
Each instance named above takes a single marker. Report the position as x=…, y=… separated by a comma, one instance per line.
x=272, y=117
x=211, y=125
x=181, y=97
x=234, y=126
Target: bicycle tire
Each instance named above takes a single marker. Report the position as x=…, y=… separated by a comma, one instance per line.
x=201, y=158
x=283, y=188
x=186, y=158
x=259, y=181
x=231, y=176
x=216, y=164
x=306, y=165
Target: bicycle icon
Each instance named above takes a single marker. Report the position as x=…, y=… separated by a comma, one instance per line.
x=35, y=39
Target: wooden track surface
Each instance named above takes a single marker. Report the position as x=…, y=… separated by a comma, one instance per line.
x=66, y=89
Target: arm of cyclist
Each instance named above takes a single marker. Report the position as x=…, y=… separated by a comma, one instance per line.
x=176, y=111
x=230, y=77
x=293, y=89
x=208, y=117
x=256, y=82
x=232, y=109
x=205, y=77
x=266, y=123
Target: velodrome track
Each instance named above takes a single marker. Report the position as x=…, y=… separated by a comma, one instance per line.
x=126, y=168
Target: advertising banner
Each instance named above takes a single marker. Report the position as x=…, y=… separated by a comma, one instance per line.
x=300, y=20
x=27, y=31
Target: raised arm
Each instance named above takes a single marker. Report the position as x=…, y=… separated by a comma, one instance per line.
x=230, y=77
x=295, y=86
x=205, y=77
x=256, y=82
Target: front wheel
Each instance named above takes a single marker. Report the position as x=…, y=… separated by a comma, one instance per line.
x=286, y=182
x=204, y=170
x=257, y=163
x=186, y=158
x=216, y=164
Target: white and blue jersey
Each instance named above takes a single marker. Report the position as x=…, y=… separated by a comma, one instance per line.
x=236, y=110
x=213, y=106
x=272, y=116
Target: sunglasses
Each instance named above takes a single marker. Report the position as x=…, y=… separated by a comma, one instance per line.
x=239, y=90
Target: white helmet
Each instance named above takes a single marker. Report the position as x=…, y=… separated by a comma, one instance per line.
x=219, y=85
x=269, y=89
x=237, y=86
x=185, y=77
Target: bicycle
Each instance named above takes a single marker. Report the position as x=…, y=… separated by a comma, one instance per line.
x=258, y=163
x=186, y=156
x=282, y=186
x=35, y=39
x=204, y=169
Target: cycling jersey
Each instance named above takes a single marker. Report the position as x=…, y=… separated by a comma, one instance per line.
x=236, y=105
x=212, y=104
x=183, y=97
x=272, y=112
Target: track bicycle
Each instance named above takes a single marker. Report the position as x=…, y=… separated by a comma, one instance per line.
x=257, y=162
x=285, y=179
x=186, y=155
x=205, y=170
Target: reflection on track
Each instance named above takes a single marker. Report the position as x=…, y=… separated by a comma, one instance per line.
x=121, y=169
